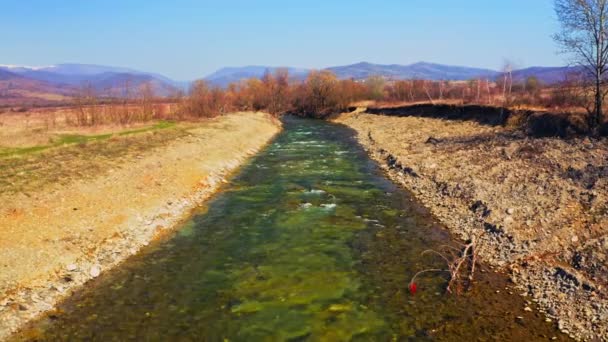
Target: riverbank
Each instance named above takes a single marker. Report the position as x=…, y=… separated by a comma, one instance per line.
x=84, y=208
x=539, y=204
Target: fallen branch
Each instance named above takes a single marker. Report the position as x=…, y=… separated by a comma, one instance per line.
x=456, y=260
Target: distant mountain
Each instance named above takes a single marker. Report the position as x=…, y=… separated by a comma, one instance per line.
x=107, y=80
x=422, y=70
x=7, y=75
x=360, y=71
x=547, y=75
x=225, y=76
x=16, y=89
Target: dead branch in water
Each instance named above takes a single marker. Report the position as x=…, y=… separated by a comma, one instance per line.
x=460, y=264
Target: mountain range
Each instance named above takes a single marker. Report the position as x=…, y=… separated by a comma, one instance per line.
x=56, y=82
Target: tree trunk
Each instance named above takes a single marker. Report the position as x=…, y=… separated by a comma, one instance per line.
x=597, y=116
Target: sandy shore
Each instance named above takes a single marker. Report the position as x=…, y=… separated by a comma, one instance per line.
x=539, y=205
x=56, y=237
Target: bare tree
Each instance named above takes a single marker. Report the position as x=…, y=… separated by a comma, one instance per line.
x=507, y=82
x=146, y=96
x=584, y=36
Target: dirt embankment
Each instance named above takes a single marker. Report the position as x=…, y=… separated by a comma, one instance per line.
x=539, y=204
x=533, y=123
x=58, y=235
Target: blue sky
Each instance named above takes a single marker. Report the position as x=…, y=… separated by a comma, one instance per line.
x=187, y=39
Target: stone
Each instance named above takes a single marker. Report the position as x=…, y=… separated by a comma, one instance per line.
x=510, y=211
x=71, y=267
x=95, y=271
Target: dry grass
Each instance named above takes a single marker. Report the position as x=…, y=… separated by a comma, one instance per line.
x=79, y=157
x=40, y=95
x=44, y=126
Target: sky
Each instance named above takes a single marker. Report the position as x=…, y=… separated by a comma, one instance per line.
x=189, y=39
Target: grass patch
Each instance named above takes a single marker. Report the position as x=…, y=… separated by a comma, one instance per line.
x=71, y=139
x=75, y=159
x=158, y=126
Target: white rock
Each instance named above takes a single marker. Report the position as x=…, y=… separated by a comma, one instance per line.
x=71, y=267
x=95, y=271
x=329, y=206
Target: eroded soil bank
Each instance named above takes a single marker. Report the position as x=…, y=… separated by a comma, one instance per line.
x=540, y=204
x=88, y=217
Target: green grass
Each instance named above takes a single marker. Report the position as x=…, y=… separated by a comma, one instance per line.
x=158, y=126
x=71, y=139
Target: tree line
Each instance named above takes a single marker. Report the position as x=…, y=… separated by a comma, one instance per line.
x=319, y=95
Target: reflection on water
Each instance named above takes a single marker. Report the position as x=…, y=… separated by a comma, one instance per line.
x=309, y=242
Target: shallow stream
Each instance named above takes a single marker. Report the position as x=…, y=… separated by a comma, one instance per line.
x=309, y=242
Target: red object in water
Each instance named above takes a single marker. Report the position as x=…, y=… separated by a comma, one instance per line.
x=413, y=288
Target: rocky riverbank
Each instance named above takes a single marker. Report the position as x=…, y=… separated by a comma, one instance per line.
x=538, y=205
x=58, y=237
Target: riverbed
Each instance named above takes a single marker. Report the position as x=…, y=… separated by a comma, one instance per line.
x=309, y=241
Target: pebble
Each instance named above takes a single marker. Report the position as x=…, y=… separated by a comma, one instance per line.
x=510, y=211
x=95, y=271
x=527, y=309
x=71, y=267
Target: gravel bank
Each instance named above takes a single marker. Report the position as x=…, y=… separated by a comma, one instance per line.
x=57, y=238
x=539, y=204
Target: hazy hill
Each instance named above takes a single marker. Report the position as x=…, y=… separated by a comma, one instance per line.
x=225, y=76
x=422, y=70
x=16, y=89
x=547, y=75
x=6, y=75
x=106, y=80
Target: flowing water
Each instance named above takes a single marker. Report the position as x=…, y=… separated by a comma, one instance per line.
x=308, y=243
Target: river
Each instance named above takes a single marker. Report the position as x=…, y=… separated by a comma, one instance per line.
x=309, y=242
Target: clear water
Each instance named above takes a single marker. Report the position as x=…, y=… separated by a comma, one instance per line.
x=308, y=243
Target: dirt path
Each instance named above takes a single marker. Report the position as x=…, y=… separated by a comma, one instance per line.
x=540, y=205
x=60, y=234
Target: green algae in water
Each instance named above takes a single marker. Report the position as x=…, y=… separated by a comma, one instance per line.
x=309, y=242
